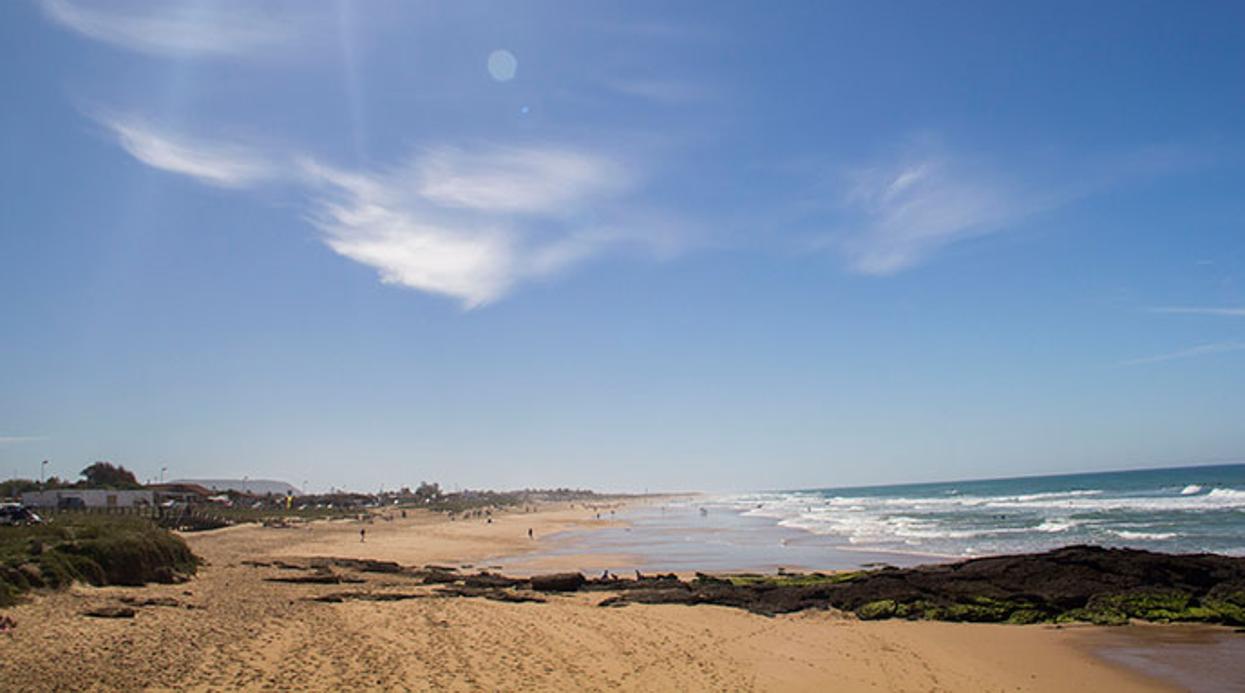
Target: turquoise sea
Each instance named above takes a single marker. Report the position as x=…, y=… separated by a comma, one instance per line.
x=1180, y=510
x=1187, y=509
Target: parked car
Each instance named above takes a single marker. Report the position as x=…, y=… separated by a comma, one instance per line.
x=18, y=514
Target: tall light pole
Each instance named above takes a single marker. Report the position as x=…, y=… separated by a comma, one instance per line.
x=162, y=471
x=43, y=467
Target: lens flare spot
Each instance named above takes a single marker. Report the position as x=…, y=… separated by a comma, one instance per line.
x=502, y=65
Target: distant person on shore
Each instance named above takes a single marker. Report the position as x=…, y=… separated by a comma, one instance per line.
x=362, y=534
x=529, y=533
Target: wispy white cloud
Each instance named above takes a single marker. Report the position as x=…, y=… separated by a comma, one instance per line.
x=377, y=220
x=13, y=440
x=223, y=165
x=901, y=210
x=1200, y=350
x=500, y=180
x=1196, y=310
x=904, y=213
x=469, y=223
x=177, y=28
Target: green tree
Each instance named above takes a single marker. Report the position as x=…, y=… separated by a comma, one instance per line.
x=13, y=488
x=106, y=475
x=428, y=492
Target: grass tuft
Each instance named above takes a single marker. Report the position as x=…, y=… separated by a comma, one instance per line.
x=94, y=549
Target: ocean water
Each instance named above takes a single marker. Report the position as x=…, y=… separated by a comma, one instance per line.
x=1189, y=509
x=1185, y=510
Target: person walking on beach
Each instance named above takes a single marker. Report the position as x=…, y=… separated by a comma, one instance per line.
x=529, y=533
x=362, y=534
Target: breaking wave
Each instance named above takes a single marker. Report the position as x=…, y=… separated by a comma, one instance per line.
x=1015, y=515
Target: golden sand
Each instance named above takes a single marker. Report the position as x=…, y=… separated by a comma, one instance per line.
x=241, y=631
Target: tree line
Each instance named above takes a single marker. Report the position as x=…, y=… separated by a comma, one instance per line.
x=104, y=475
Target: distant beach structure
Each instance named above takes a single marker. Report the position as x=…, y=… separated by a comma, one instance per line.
x=257, y=487
x=89, y=498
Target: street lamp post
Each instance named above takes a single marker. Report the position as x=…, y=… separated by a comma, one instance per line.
x=162, y=471
x=43, y=468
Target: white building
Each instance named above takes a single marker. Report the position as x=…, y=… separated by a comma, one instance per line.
x=88, y=498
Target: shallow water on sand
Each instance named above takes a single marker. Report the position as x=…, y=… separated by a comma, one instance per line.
x=1195, y=658
x=678, y=537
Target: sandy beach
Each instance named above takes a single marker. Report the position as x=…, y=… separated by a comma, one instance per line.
x=231, y=628
x=586, y=346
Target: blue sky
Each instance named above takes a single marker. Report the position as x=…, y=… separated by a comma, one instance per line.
x=621, y=245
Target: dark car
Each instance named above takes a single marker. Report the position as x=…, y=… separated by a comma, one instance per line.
x=18, y=514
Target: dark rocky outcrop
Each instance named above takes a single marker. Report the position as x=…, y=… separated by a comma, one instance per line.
x=436, y=577
x=319, y=578
x=110, y=612
x=558, y=582
x=493, y=580
x=152, y=601
x=641, y=582
x=497, y=595
x=1073, y=583
x=360, y=564
x=339, y=597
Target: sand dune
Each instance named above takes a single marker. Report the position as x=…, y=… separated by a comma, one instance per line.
x=233, y=629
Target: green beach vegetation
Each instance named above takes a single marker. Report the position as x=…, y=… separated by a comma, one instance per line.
x=91, y=548
x=1227, y=607
x=792, y=579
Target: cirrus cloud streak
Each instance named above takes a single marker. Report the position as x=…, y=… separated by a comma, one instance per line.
x=901, y=215
x=1221, y=312
x=466, y=222
x=1200, y=350
x=222, y=165
x=177, y=29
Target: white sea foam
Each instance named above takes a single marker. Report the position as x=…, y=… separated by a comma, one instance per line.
x=1057, y=524
x=960, y=522
x=1078, y=501
x=1143, y=536
x=1228, y=494
x=825, y=515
